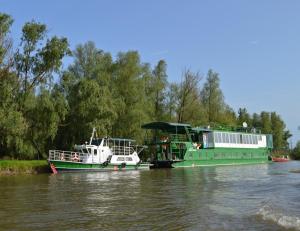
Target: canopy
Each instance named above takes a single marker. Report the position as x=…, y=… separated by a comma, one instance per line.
x=174, y=128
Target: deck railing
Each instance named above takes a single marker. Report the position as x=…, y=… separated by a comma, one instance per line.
x=67, y=155
x=122, y=150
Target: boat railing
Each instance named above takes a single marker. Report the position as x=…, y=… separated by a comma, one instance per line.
x=67, y=156
x=122, y=150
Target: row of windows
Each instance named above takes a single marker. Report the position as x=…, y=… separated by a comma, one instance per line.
x=236, y=138
x=124, y=159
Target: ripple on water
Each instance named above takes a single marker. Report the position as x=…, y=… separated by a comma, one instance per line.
x=273, y=214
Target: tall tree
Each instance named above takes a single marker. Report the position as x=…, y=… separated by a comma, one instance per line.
x=34, y=63
x=256, y=123
x=212, y=97
x=172, y=102
x=266, y=124
x=129, y=80
x=280, y=135
x=87, y=85
x=158, y=87
x=189, y=105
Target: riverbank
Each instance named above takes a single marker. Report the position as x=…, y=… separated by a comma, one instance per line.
x=13, y=167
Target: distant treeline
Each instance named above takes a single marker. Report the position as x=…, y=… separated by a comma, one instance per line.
x=43, y=107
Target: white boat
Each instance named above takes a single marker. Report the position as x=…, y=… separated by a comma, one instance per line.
x=100, y=154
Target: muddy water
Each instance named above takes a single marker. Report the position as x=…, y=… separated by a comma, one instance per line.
x=253, y=197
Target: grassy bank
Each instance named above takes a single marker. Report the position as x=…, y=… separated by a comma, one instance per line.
x=12, y=167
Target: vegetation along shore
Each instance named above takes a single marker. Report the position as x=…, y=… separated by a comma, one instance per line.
x=12, y=167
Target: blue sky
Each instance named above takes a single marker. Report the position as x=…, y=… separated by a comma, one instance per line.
x=254, y=45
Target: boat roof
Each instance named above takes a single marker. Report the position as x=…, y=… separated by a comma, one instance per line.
x=168, y=127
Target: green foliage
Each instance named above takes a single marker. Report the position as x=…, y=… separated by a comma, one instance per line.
x=158, y=89
x=212, y=97
x=130, y=77
x=29, y=112
x=296, y=152
x=5, y=44
x=244, y=116
x=116, y=96
x=189, y=108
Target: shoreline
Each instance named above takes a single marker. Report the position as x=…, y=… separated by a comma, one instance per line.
x=17, y=167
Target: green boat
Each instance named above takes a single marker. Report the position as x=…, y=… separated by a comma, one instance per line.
x=180, y=145
x=100, y=154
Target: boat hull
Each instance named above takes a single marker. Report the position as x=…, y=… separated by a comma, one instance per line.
x=279, y=159
x=222, y=156
x=203, y=163
x=68, y=166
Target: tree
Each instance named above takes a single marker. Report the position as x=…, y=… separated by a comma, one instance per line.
x=12, y=123
x=296, y=151
x=172, y=102
x=189, y=105
x=280, y=135
x=87, y=85
x=266, y=125
x=212, y=97
x=5, y=42
x=158, y=89
x=133, y=106
x=28, y=111
x=256, y=122
x=35, y=64
x=244, y=116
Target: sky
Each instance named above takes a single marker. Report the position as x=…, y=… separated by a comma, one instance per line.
x=254, y=45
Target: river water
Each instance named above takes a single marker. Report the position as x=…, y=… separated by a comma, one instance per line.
x=252, y=197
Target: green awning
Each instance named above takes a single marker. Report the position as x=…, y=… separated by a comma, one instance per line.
x=173, y=128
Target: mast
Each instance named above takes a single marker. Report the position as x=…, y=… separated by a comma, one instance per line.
x=91, y=139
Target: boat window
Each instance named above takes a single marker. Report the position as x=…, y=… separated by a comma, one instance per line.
x=219, y=137
x=84, y=150
x=120, y=159
x=128, y=158
x=256, y=139
x=222, y=137
x=95, y=152
x=89, y=150
x=96, y=141
x=227, y=138
x=216, y=137
x=260, y=138
x=233, y=139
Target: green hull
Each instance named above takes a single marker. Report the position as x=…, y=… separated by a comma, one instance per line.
x=199, y=163
x=64, y=166
x=223, y=156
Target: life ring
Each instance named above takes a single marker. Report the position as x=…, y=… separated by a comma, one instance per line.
x=75, y=157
